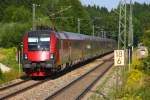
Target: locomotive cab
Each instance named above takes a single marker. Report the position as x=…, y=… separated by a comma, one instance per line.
x=38, y=56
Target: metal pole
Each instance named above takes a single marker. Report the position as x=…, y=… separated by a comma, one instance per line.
x=130, y=38
x=119, y=35
x=122, y=36
x=102, y=35
x=33, y=17
x=78, y=25
x=131, y=23
x=129, y=54
x=125, y=26
x=93, y=30
x=19, y=63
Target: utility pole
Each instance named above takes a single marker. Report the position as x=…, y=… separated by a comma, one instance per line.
x=52, y=16
x=78, y=25
x=33, y=16
x=102, y=32
x=130, y=37
x=99, y=32
x=122, y=37
x=105, y=34
x=93, y=30
x=122, y=25
x=94, y=27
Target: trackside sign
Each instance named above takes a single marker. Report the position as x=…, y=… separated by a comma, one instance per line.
x=119, y=56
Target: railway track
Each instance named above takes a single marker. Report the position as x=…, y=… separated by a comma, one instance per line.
x=13, y=90
x=80, y=86
x=20, y=87
x=2, y=88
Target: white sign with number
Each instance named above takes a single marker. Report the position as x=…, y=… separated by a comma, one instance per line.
x=119, y=57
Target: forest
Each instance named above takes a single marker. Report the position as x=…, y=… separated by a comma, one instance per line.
x=16, y=19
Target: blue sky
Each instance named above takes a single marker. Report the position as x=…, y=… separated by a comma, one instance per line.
x=108, y=3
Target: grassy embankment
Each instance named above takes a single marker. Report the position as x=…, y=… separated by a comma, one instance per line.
x=137, y=86
x=10, y=36
x=8, y=58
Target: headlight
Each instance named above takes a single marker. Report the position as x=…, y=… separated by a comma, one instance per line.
x=25, y=56
x=52, y=56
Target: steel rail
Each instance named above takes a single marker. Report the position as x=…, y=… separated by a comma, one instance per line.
x=83, y=93
x=78, y=79
x=22, y=90
x=12, y=85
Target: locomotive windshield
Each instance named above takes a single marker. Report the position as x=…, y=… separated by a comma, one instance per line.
x=39, y=41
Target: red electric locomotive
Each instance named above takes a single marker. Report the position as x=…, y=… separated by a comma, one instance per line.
x=46, y=51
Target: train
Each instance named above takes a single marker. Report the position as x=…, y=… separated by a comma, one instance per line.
x=48, y=51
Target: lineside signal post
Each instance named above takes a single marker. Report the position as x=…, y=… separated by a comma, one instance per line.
x=119, y=57
x=119, y=61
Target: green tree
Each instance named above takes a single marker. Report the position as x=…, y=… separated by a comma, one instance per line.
x=16, y=14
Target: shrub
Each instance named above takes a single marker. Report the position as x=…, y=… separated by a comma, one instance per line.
x=9, y=58
x=134, y=80
x=6, y=77
x=146, y=66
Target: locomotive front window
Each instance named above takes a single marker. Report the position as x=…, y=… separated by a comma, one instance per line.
x=38, y=42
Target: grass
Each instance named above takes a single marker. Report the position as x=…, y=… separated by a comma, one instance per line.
x=137, y=85
x=6, y=77
x=8, y=58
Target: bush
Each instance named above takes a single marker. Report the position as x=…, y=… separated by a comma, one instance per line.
x=9, y=58
x=145, y=62
x=6, y=77
x=134, y=80
x=145, y=65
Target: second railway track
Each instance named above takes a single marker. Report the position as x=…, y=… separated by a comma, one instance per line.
x=13, y=90
x=78, y=88
x=25, y=90
x=12, y=85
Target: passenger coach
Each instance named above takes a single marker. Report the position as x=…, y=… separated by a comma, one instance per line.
x=46, y=51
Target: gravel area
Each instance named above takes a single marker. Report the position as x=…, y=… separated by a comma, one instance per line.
x=46, y=89
x=17, y=88
x=103, y=90
x=10, y=83
x=77, y=87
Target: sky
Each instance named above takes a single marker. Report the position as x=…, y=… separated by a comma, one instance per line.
x=109, y=3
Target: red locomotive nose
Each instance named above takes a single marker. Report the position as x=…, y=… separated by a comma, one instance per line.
x=38, y=56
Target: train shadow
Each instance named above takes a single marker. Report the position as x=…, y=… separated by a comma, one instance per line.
x=35, y=78
x=74, y=67
x=63, y=72
x=67, y=70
